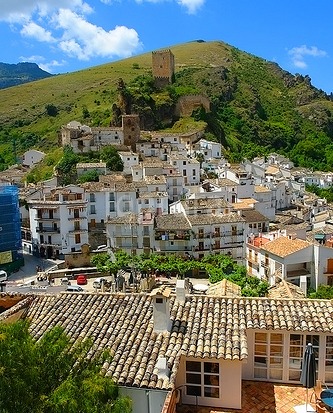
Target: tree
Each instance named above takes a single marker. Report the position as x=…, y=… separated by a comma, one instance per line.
x=52, y=375
x=51, y=109
x=90, y=176
x=112, y=158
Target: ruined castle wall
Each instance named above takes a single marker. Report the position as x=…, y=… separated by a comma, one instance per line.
x=187, y=104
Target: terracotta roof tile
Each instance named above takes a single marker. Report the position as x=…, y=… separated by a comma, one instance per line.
x=202, y=326
x=172, y=221
x=284, y=246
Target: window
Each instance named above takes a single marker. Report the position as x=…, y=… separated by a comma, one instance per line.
x=112, y=207
x=92, y=209
x=184, y=172
x=158, y=200
x=268, y=356
x=202, y=379
x=193, y=172
x=145, y=231
x=76, y=225
x=77, y=238
x=329, y=360
x=126, y=207
x=50, y=213
x=92, y=197
x=184, y=162
x=76, y=213
x=111, y=196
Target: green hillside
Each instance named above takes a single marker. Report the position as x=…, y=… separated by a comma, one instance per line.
x=256, y=106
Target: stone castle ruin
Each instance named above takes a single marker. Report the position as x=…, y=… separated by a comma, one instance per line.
x=84, y=139
x=163, y=67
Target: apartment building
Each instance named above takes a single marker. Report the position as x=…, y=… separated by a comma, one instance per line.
x=58, y=222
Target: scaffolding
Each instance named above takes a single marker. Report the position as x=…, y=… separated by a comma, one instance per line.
x=10, y=224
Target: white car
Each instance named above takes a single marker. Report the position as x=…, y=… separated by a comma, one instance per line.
x=99, y=282
x=3, y=276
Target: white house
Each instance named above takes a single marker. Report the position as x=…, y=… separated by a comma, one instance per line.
x=132, y=233
x=32, y=157
x=189, y=168
x=129, y=159
x=284, y=257
x=59, y=222
x=208, y=149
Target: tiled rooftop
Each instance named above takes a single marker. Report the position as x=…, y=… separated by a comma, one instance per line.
x=284, y=246
x=261, y=188
x=172, y=222
x=203, y=326
x=252, y=215
x=200, y=203
x=209, y=219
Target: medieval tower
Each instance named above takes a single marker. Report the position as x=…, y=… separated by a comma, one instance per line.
x=131, y=129
x=163, y=65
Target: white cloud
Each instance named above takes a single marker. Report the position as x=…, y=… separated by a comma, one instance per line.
x=16, y=11
x=40, y=61
x=50, y=66
x=84, y=40
x=64, y=25
x=298, y=55
x=192, y=6
x=33, y=30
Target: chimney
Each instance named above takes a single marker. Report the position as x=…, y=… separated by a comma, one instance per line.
x=161, y=366
x=303, y=284
x=182, y=288
x=161, y=309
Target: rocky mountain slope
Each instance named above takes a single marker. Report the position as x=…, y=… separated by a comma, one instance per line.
x=16, y=74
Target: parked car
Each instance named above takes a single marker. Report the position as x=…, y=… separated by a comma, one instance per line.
x=101, y=247
x=64, y=281
x=81, y=279
x=74, y=289
x=99, y=282
x=3, y=276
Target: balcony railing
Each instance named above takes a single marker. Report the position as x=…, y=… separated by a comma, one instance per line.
x=78, y=231
x=171, y=236
x=252, y=260
x=48, y=229
x=201, y=235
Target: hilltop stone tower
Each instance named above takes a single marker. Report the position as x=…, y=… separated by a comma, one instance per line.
x=163, y=66
x=131, y=129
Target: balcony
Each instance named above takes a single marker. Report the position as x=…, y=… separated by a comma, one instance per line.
x=47, y=218
x=172, y=236
x=78, y=231
x=48, y=229
x=203, y=248
x=298, y=272
x=208, y=235
x=252, y=260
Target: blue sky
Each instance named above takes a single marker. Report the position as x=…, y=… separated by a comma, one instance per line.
x=69, y=35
